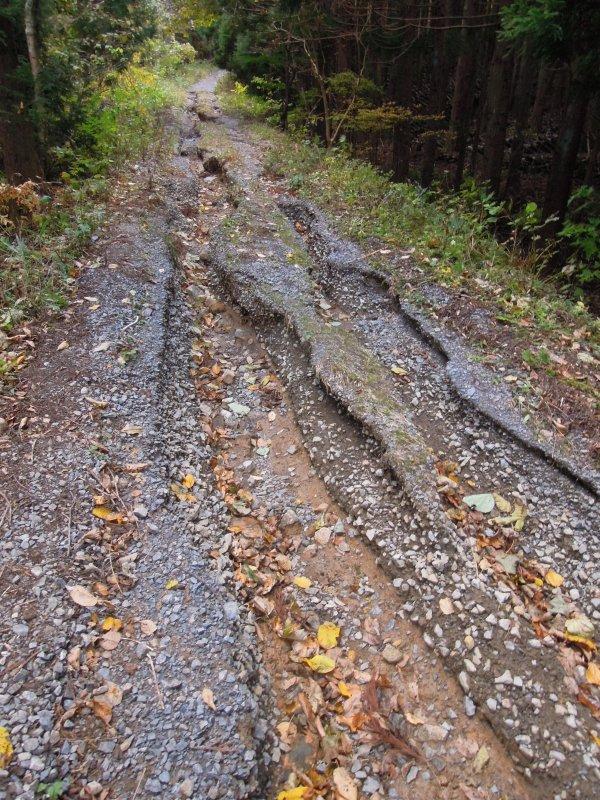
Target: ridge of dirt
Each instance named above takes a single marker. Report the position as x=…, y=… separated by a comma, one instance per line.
x=472, y=381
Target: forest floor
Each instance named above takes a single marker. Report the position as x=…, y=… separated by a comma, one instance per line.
x=267, y=528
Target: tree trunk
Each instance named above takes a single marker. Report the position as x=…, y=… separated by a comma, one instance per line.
x=592, y=170
x=462, y=102
x=560, y=181
x=30, y=11
x=18, y=139
x=522, y=101
x=439, y=93
x=498, y=93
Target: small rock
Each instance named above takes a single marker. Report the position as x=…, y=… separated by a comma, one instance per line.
x=391, y=654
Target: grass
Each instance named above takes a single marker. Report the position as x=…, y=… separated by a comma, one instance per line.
x=41, y=239
x=451, y=236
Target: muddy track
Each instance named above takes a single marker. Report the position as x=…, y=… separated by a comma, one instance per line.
x=334, y=333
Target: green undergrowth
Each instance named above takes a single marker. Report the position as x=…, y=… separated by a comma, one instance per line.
x=452, y=237
x=42, y=233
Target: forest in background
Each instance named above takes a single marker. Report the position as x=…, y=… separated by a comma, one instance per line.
x=492, y=103
x=500, y=98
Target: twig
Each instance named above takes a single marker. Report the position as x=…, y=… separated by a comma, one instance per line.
x=130, y=324
x=139, y=783
x=156, y=685
x=69, y=522
x=7, y=510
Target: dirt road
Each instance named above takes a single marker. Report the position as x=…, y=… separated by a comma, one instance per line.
x=266, y=527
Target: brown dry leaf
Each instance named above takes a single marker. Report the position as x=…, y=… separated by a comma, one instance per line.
x=132, y=430
x=139, y=467
x=413, y=718
x=81, y=596
x=345, y=785
x=102, y=710
x=148, y=626
x=113, y=694
x=209, y=698
x=110, y=640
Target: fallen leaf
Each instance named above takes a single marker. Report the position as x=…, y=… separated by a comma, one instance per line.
x=209, y=698
x=508, y=562
x=81, y=596
x=101, y=348
x=399, y=370
x=413, y=718
x=321, y=664
x=344, y=689
x=132, y=430
x=502, y=505
x=148, y=626
x=302, y=582
x=554, y=579
x=172, y=583
x=188, y=481
x=481, y=759
x=102, y=710
x=110, y=640
x=112, y=624
x=483, y=503
x=6, y=748
x=345, y=785
x=294, y=794
x=113, y=694
x=238, y=409
x=108, y=515
x=580, y=626
x=328, y=635
x=592, y=674
x=63, y=345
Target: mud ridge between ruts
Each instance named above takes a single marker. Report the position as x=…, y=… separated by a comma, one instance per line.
x=275, y=287
x=472, y=382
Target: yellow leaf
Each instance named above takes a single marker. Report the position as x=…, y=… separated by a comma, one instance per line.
x=302, y=582
x=107, y=514
x=320, y=664
x=502, y=504
x=592, y=674
x=582, y=641
x=172, y=583
x=188, y=481
x=327, y=635
x=554, y=579
x=344, y=689
x=293, y=794
x=595, y=739
x=6, y=749
x=112, y=624
x=399, y=370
